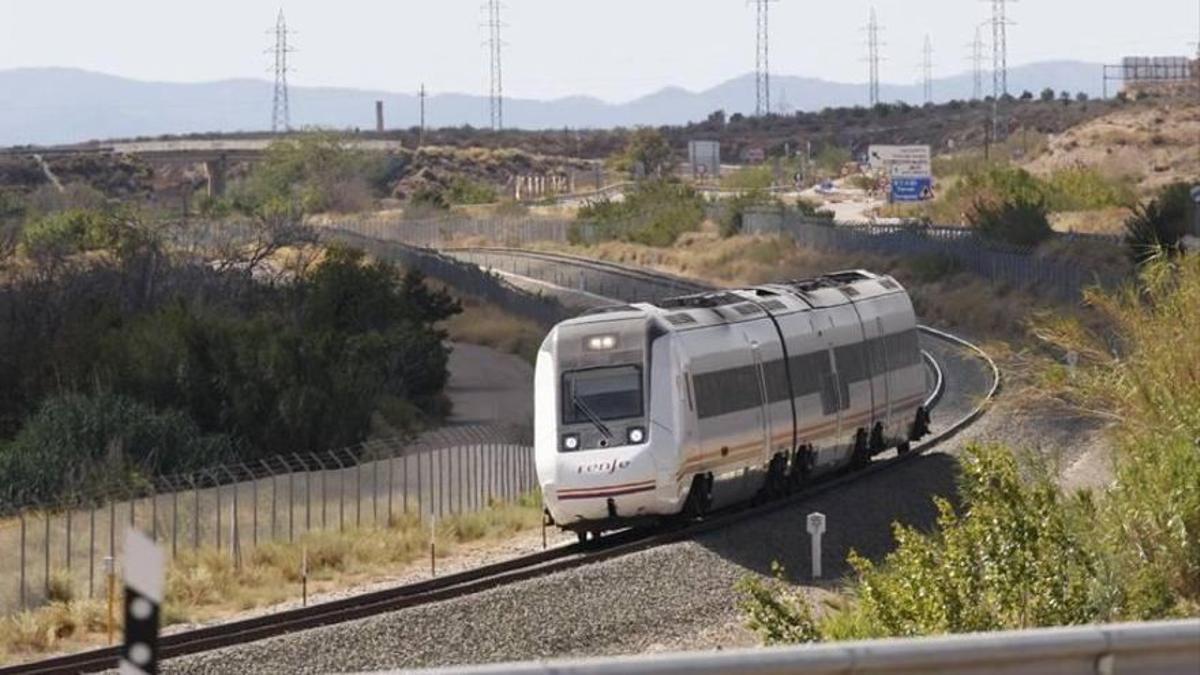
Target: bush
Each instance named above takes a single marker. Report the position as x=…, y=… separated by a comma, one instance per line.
x=654, y=213
x=466, y=191
x=1084, y=189
x=1022, y=222
x=77, y=444
x=749, y=178
x=1156, y=229
x=933, y=267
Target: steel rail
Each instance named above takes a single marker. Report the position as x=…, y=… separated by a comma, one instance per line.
x=522, y=568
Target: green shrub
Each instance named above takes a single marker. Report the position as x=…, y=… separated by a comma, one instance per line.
x=1157, y=228
x=78, y=443
x=1021, y=222
x=749, y=178
x=1084, y=189
x=466, y=191
x=654, y=213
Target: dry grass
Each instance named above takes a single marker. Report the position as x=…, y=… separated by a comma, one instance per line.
x=489, y=326
x=209, y=585
x=1102, y=221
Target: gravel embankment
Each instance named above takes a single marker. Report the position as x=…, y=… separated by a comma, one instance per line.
x=680, y=596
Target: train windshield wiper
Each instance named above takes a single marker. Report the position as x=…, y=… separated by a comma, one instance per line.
x=591, y=415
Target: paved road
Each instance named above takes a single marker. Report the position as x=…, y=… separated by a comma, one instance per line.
x=489, y=387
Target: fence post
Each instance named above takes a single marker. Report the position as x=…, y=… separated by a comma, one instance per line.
x=92, y=550
x=254, y=513
x=274, y=505
x=375, y=491
x=175, y=522
x=404, y=480
x=218, y=534
x=420, y=490
x=358, y=469
x=458, y=451
x=69, y=513
x=391, y=484
x=195, y=516
x=291, y=502
x=24, y=603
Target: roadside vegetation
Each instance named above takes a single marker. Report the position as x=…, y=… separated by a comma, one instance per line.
x=1020, y=552
x=210, y=585
x=135, y=349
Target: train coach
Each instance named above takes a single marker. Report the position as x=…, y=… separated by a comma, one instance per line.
x=648, y=411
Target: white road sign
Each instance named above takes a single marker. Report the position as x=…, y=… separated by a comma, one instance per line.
x=901, y=161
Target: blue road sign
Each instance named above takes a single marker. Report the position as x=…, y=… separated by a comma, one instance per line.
x=912, y=189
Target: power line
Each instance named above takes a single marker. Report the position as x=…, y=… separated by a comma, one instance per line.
x=495, y=49
x=280, y=112
x=762, y=59
x=927, y=70
x=873, y=57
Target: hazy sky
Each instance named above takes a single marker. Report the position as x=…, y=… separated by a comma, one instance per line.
x=613, y=49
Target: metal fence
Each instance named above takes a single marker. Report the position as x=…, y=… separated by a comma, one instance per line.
x=234, y=508
x=993, y=262
x=439, y=232
x=1063, y=279
x=463, y=276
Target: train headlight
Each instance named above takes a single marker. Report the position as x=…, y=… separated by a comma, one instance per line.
x=601, y=343
x=570, y=442
x=637, y=435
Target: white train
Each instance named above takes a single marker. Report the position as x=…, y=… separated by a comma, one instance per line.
x=646, y=411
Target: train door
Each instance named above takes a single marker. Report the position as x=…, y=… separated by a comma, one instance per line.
x=886, y=367
x=763, y=413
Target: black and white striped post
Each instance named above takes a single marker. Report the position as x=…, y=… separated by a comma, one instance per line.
x=145, y=574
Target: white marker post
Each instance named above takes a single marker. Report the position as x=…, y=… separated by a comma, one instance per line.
x=1072, y=362
x=145, y=577
x=816, y=527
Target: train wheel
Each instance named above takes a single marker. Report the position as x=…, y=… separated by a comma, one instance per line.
x=699, y=498
x=861, y=456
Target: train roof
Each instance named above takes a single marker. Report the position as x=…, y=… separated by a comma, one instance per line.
x=744, y=304
x=731, y=305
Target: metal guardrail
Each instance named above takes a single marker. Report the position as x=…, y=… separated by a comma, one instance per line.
x=1159, y=648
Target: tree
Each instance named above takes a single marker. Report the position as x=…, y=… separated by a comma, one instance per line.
x=1027, y=95
x=649, y=148
x=1047, y=95
x=1020, y=222
x=1082, y=97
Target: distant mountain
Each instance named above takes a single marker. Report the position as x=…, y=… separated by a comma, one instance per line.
x=59, y=105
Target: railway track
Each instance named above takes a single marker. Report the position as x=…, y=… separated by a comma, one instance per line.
x=553, y=560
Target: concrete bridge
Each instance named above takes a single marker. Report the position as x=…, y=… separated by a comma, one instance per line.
x=214, y=155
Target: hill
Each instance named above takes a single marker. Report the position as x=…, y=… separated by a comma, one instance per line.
x=60, y=105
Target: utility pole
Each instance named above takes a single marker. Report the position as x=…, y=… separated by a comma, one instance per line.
x=280, y=112
x=927, y=70
x=421, y=135
x=762, y=59
x=495, y=49
x=873, y=58
x=976, y=59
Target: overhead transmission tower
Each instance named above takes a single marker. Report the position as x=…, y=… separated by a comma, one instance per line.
x=421, y=135
x=927, y=70
x=762, y=59
x=977, y=61
x=1000, y=25
x=873, y=57
x=280, y=112
x=495, y=50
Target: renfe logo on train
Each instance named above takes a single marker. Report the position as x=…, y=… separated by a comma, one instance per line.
x=605, y=467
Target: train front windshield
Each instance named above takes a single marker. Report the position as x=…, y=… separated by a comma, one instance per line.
x=610, y=393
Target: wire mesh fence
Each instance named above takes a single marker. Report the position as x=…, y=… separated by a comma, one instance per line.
x=1015, y=267
x=232, y=509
